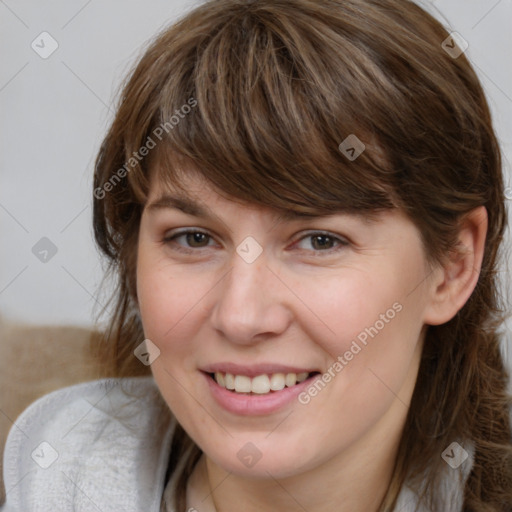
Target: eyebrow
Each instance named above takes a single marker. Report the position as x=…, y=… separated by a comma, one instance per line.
x=189, y=206
x=182, y=203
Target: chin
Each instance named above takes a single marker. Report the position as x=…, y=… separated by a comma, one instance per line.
x=260, y=459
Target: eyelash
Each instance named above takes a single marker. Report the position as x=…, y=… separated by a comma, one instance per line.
x=172, y=238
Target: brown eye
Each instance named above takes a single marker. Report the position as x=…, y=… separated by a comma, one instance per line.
x=322, y=242
x=196, y=238
x=193, y=239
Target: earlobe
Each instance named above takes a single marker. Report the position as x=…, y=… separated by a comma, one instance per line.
x=455, y=280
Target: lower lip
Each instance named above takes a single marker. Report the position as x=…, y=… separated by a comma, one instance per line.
x=255, y=404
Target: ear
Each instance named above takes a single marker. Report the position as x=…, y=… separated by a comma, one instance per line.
x=454, y=281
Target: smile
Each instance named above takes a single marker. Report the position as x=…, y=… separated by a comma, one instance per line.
x=264, y=393
x=260, y=384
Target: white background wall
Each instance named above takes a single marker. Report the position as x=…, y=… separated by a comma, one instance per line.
x=55, y=111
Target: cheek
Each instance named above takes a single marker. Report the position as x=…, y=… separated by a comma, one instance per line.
x=162, y=297
x=366, y=321
x=156, y=302
x=168, y=304
x=369, y=335
x=171, y=306
x=339, y=310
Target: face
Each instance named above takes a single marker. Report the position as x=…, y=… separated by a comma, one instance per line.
x=317, y=324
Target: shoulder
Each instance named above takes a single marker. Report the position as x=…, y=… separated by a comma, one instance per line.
x=104, y=442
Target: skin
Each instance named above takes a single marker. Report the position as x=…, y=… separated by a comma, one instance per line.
x=296, y=304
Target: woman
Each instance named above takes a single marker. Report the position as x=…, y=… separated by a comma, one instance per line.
x=303, y=203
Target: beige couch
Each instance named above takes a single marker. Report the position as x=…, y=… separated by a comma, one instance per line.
x=35, y=361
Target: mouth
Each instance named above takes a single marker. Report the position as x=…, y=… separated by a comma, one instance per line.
x=259, y=389
x=263, y=384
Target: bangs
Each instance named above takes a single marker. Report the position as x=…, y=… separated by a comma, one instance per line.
x=260, y=113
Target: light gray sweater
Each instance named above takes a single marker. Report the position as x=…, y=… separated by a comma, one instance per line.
x=97, y=447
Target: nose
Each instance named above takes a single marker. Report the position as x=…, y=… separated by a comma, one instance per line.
x=251, y=303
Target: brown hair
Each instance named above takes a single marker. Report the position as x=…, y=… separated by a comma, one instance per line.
x=274, y=86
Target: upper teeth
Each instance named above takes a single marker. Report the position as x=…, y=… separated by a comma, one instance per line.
x=261, y=384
